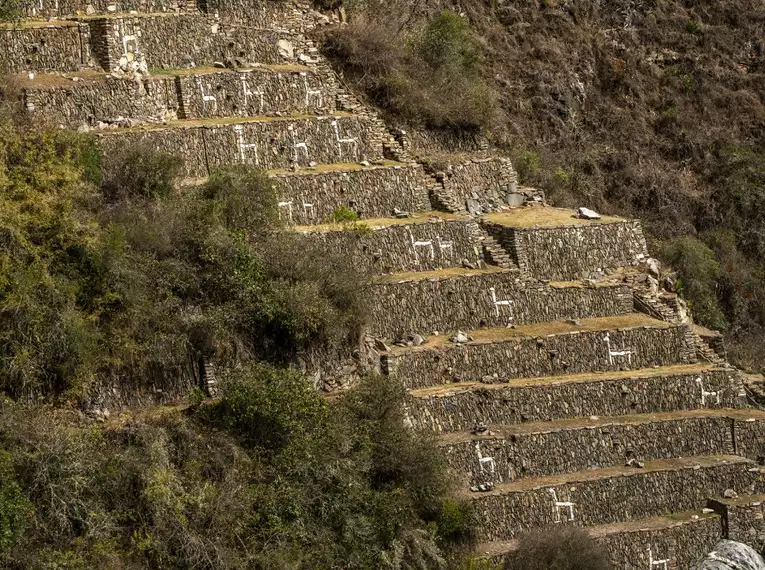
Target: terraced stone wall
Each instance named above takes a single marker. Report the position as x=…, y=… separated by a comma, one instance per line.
x=743, y=519
x=254, y=93
x=750, y=439
x=372, y=192
x=680, y=544
x=187, y=40
x=566, y=353
x=571, y=252
x=427, y=305
x=609, y=500
x=538, y=454
x=43, y=9
x=483, y=185
x=263, y=14
x=461, y=410
x=268, y=144
x=88, y=102
x=390, y=249
x=62, y=46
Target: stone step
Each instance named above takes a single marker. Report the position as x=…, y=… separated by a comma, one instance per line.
x=468, y=299
x=98, y=100
x=129, y=43
x=267, y=142
x=316, y=193
x=462, y=407
x=628, y=341
x=611, y=495
x=502, y=454
x=743, y=518
x=422, y=242
x=551, y=243
x=680, y=539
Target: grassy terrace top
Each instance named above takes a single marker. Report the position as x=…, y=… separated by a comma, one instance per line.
x=443, y=390
x=483, y=336
x=674, y=464
x=31, y=24
x=544, y=216
x=223, y=121
x=56, y=80
x=500, y=432
x=441, y=274
x=670, y=520
x=379, y=223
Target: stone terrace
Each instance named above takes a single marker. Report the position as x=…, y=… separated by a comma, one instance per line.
x=561, y=386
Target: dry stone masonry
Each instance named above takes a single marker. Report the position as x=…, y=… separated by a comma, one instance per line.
x=562, y=385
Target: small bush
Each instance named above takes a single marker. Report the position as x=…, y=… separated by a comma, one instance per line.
x=698, y=275
x=140, y=172
x=527, y=164
x=558, y=548
x=10, y=10
x=343, y=214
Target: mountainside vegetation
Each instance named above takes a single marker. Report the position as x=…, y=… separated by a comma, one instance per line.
x=653, y=109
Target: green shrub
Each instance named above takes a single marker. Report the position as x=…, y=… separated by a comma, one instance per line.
x=558, y=548
x=15, y=508
x=527, y=164
x=698, y=273
x=10, y=10
x=140, y=171
x=343, y=214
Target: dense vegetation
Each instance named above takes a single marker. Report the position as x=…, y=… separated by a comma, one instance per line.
x=652, y=109
x=109, y=271
x=272, y=476
x=558, y=548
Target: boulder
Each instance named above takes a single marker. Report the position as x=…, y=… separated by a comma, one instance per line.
x=587, y=214
x=732, y=555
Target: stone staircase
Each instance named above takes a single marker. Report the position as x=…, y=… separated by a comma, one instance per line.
x=561, y=389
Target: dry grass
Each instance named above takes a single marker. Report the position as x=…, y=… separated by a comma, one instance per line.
x=674, y=464
x=500, y=432
x=440, y=274
x=443, y=390
x=543, y=216
x=483, y=336
x=382, y=223
x=337, y=167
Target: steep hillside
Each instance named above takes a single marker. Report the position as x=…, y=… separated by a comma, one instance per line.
x=647, y=108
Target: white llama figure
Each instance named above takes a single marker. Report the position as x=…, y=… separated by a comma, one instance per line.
x=445, y=246
x=485, y=463
x=620, y=352
x=558, y=505
x=311, y=92
x=244, y=147
x=348, y=141
x=297, y=146
x=420, y=243
x=705, y=394
x=308, y=210
x=500, y=303
x=247, y=93
x=653, y=563
x=207, y=98
x=288, y=206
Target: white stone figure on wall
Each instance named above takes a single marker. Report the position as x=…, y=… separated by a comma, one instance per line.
x=428, y=244
x=207, y=98
x=245, y=147
x=308, y=210
x=561, y=505
x=311, y=93
x=500, y=302
x=298, y=146
x=345, y=141
x=706, y=394
x=485, y=463
x=285, y=205
x=129, y=40
x=445, y=247
x=617, y=353
x=247, y=93
x=656, y=563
